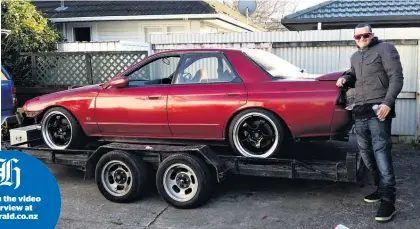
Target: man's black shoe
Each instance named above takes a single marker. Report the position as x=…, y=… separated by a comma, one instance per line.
x=386, y=211
x=374, y=197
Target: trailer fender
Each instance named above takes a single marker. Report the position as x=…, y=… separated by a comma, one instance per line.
x=93, y=160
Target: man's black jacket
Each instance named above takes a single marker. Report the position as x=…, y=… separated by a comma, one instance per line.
x=376, y=74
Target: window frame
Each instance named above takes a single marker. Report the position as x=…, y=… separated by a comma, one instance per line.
x=145, y=27
x=236, y=80
x=150, y=61
x=82, y=26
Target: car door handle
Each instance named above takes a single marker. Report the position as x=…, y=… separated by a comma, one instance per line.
x=232, y=94
x=154, y=97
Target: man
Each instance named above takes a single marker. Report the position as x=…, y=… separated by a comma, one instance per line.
x=376, y=74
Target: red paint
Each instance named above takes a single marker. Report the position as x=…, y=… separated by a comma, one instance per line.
x=201, y=111
x=333, y=76
x=80, y=102
x=133, y=112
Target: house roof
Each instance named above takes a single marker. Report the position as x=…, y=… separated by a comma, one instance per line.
x=91, y=9
x=344, y=13
x=121, y=8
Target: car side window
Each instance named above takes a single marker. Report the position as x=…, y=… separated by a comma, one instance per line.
x=159, y=71
x=205, y=68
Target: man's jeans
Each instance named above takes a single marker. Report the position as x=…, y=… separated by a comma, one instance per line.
x=375, y=144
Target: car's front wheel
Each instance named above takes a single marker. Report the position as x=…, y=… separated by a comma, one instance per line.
x=256, y=133
x=60, y=130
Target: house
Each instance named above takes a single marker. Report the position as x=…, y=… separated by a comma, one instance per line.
x=346, y=14
x=137, y=20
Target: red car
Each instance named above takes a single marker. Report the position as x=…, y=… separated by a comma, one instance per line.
x=251, y=99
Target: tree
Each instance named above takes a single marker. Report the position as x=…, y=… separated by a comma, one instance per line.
x=270, y=12
x=30, y=31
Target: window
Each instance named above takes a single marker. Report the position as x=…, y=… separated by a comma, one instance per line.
x=274, y=65
x=159, y=71
x=176, y=29
x=151, y=30
x=82, y=34
x=205, y=68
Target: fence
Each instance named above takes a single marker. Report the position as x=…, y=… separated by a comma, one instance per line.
x=321, y=52
x=119, y=45
x=76, y=68
x=57, y=71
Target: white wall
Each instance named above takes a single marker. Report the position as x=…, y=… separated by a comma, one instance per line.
x=102, y=46
x=139, y=30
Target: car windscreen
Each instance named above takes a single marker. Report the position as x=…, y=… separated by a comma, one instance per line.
x=274, y=65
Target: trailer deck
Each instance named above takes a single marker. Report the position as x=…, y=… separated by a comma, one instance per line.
x=343, y=170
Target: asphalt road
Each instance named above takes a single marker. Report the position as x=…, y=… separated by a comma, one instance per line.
x=247, y=202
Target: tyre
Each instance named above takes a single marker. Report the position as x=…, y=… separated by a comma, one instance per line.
x=184, y=181
x=61, y=130
x=256, y=133
x=121, y=177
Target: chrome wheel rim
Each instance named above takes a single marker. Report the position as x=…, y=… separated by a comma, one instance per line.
x=180, y=182
x=57, y=130
x=255, y=135
x=117, y=178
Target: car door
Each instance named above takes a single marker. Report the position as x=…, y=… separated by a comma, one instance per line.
x=205, y=93
x=138, y=110
x=8, y=97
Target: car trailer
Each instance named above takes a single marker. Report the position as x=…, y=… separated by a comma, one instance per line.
x=184, y=174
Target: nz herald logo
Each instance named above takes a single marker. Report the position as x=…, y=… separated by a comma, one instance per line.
x=9, y=173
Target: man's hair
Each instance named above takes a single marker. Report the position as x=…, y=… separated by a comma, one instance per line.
x=361, y=25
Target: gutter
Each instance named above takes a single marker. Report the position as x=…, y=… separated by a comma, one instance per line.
x=160, y=17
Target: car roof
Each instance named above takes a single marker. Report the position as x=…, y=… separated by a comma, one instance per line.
x=191, y=50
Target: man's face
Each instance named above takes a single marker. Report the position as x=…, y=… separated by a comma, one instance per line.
x=365, y=36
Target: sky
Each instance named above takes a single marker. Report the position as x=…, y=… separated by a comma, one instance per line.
x=308, y=3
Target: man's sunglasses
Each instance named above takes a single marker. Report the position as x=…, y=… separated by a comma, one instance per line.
x=364, y=35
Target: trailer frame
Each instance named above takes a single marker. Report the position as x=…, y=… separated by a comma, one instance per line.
x=220, y=165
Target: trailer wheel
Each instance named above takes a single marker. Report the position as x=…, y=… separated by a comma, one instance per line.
x=121, y=177
x=184, y=181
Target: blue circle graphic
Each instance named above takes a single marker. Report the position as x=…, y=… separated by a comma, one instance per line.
x=29, y=193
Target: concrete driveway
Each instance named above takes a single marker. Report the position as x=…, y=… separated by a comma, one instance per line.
x=247, y=202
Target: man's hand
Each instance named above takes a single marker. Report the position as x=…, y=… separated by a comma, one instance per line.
x=340, y=82
x=383, y=111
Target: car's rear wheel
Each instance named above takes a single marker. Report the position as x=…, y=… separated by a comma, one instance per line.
x=256, y=133
x=60, y=130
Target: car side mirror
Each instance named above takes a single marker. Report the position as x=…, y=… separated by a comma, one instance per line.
x=116, y=83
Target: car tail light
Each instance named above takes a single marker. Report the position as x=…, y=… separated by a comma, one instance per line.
x=14, y=99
